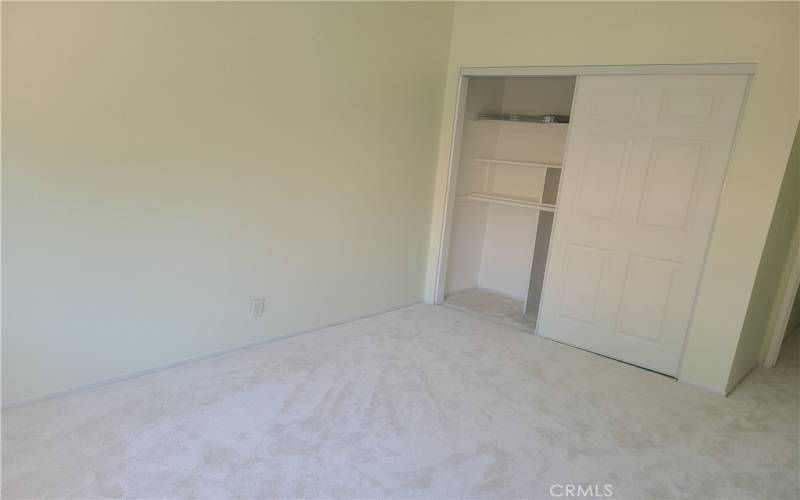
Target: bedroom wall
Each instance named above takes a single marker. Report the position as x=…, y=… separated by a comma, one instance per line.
x=554, y=34
x=164, y=163
x=794, y=316
x=773, y=272
x=158, y=175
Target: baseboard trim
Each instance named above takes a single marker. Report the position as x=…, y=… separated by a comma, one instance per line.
x=736, y=384
x=188, y=361
x=704, y=388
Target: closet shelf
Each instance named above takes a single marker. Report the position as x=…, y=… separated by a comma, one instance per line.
x=518, y=163
x=489, y=121
x=505, y=117
x=506, y=199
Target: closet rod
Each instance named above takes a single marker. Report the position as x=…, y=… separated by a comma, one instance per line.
x=512, y=201
x=524, y=118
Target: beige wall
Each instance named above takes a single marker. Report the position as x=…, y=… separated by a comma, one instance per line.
x=773, y=271
x=165, y=162
x=794, y=317
x=544, y=34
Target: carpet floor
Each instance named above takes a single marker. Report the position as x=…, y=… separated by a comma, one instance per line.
x=491, y=306
x=423, y=402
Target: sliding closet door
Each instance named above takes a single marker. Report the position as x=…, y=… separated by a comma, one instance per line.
x=645, y=164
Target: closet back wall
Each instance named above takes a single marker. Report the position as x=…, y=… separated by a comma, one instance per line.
x=163, y=163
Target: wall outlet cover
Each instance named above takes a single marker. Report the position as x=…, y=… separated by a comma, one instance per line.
x=256, y=307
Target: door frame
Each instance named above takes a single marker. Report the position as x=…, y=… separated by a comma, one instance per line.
x=783, y=306
x=435, y=292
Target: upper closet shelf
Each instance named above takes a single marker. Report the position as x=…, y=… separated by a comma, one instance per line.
x=510, y=200
x=518, y=163
x=524, y=118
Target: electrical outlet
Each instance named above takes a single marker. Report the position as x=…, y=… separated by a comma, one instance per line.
x=256, y=307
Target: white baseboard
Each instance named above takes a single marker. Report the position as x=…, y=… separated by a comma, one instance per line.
x=186, y=361
x=704, y=388
x=735, y=384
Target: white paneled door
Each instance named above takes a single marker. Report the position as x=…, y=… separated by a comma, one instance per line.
x=645, y=164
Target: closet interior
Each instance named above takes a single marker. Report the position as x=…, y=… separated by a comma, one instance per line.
x=512, y=146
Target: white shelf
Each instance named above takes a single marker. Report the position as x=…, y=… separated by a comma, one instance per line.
x=505, y=199
x=518, y=163
x=522, y=123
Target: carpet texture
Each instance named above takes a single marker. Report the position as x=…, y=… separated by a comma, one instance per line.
x=494, y=307
x=423, y=402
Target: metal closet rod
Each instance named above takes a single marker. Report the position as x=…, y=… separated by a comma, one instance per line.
x=524, y=118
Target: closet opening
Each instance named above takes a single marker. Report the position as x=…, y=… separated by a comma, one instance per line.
x=511, y=150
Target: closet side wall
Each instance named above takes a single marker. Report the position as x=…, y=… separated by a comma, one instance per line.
x=469, y=217
x=508, y=251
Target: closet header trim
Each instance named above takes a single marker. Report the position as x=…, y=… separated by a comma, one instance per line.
x=642, y=69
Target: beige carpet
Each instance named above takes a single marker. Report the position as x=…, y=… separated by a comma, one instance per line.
x=424, y=402
x=494, y=307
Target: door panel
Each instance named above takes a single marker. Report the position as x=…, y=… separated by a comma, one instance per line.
x=648, y=286
x=582, y=278
x=670, y=183
x=599, y=186
x=643, y=172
